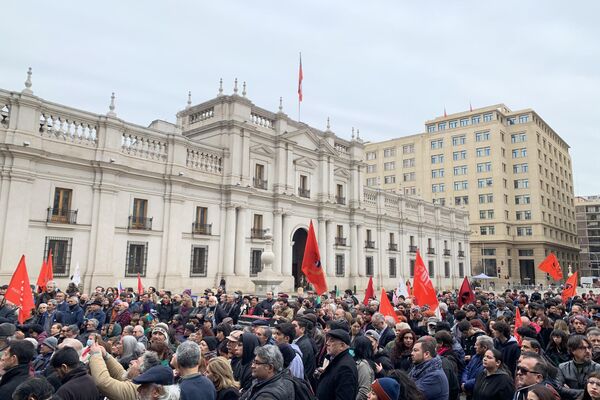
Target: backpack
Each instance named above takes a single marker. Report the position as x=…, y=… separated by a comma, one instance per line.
x=302, y=389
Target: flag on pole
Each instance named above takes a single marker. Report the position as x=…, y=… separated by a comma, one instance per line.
x=311, y=263
x=120, y=287
x=409, y=289
x=551, y=266
x=445, y=115
x=470, y=107
x=385, y=307
x=50, y=267
x=76, y=278
x=140, y=286
x=402, y=289
x=570, y=289
x=466, y=294
x=300, y=78
x=369, y=292
x=46, y=274
x=423, y=289
x=19, y=291
x=518, y=324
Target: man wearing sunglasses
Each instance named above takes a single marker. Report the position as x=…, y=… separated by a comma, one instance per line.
x=531, y=370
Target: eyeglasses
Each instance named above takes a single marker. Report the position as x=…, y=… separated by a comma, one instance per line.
x=525, y=371
x=586, y=348
x=593, y=382
x=259, y=362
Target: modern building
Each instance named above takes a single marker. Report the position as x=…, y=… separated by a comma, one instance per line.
x=185, y=204
x=509, y=169
x=587, y=212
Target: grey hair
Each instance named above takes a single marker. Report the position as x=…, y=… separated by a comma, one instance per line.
x=94, y=321
x=188, y=354
x=130, y=347
x=127, y=330
x=167, y=392
x=266, y=331
x=149, y=359
x=389, y=320
x=377, y=317
x=270, y=355
x=73, y=328
x=54, y=302
x=485, y=341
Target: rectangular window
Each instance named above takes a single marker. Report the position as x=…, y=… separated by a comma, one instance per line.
x=431, y=270
x=201, y=215
x=460, y=170
x=486, y=214
x=486, y=198
x=482, y=136
x=409, y=162
x=389, y=166
x=61, y=207
x=140, y=207
x=255, y=262
x=461, y=185
x=526, y=253
x=430, y=128
x=437, y=144
x=410, y=190
x=452, y=124
x=199, y=260
x=461, y=200
x=437, y=173
x=523, y=199
x=521, y=183
x=487, y=230
x=524, y=231
x=442, y=126
x=446, y=269
x=369, y=265
x=523, y=119
x=461, y=269
x=464, y=122
x=523, y=215
x=518, y=137
x=511, y=120
x=482, y=151
x=459, y=155
x=484, y=167
x=136, y=258
x=371, y=155
x=389, y=179
x=389, y=152
x=458, y=140
x=371, y=182
x=438, y=188
x=392, y=267
x=487, y=117
x=371, y=168
x=339, y=265
x=484, y=182
x=520, y=168
x=61, y=254
x=476, y=119
x=437, y=159
x=408, y=149
x=409, y=177
x=411, y=268
x=519, y=153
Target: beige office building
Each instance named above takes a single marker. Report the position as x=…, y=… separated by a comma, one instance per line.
x=509, y=169
x=588, y=229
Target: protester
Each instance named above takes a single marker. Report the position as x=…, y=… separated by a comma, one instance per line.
x=494, y=382
x=15, y=363
x=221, y=375
x=267, y=370
x=75, y=381
x=191, y=383
x=339, y=379
x=427, y=372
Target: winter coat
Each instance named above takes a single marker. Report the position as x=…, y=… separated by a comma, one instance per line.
x=557, y=357
x=339, y=381
x=107, y=376
x=275, y=388
x=451, y=371
x=8, y=314
x=73, y=315
x=241, y=365
x=366, y=376
x=195, y=386
x=12, y=378
x=78, y=385
x=229, y=393
x=123, y=318
x=165, y=312
x=382, y=357
x=569, y=375
x=511, y=351
x=307, y=347
x=497, y=386
x=387, y=335
x=472, y=370
x=430, y=379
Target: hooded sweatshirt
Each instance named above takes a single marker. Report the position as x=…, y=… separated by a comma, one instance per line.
x=241, y=365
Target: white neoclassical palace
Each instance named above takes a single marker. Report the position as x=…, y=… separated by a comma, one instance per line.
x=188, y=203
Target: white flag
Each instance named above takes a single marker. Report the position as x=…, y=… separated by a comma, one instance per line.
x=76, y=278
x=402, y=290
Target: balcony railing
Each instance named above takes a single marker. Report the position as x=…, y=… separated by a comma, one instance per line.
x=61, y=216
x=258, y=233
x=461, y=253
x=412, y=249
x=446, y=252
x=142, y=223
x=340, y=200
x=340, y=241
x=430, y=250
x=369, y=244
x=304, y=192
x=393, y=246
x=260, y=183
x=201, y=229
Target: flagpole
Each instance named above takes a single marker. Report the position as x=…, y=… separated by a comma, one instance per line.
x=300, y=78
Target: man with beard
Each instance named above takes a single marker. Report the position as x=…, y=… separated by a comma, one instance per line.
x=157, y=383
x=108, y=373
x=572, y=375
x=76, y=383
x=427, y=373
x=593, y=336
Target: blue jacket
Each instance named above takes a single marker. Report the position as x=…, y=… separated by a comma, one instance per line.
x=100, y=316
x=469, y=375
x=431, y=379
x=197, y=387
x=73, y=316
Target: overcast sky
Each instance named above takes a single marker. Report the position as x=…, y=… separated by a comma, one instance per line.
x=384, y=67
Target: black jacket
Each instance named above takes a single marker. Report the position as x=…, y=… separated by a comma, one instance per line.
x=510, y=353
x=11, y=379
x=275, y=388
x=309, y=359
x=8, y=314
x=77, y=384
x=498, y=386
x=241, y=365
x=339, y=381
x=229, y=393
x=569, y=375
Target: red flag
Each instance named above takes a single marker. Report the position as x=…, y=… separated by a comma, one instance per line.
x=369, y=292
x=140, y=286
x=41, y=280
x=50, y=267
x=570, y=289
x=19, y=292
x=385, y=307
x=466, y=295
x=311, y=263
x=300, y=78
x=445, y=115
x=518, y=324
x=551, y=266
x=423, y=289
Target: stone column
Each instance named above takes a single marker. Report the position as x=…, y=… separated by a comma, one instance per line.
x=228, y=258
x=330, y=260
x=286, y=251
x=353, y=251
x=241, y=258
x=277, y=241
x=362, y=271
x=322, y=239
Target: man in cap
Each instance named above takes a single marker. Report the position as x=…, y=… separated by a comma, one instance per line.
x=156, y=383
x=339, y=379
x=7, y=330
x=95, y=312
x=42, y=360
x=8, y=312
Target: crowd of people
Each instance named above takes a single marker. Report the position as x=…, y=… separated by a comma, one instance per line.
x=220, y=345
